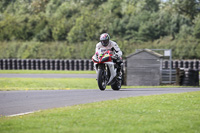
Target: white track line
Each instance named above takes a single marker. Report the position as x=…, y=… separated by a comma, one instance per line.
x=20, y=114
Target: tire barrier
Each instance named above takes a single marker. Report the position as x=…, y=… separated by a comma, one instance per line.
x=50, y=64
x=42, y=64
x=181, y=67
x=190, y=64
x=187, y=77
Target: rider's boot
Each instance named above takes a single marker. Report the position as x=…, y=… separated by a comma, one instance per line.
x=112, y=73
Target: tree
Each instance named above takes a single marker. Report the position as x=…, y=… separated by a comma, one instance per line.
x=188, y=8
x=4, y=4
x=152, y=5
x=39, y=5
x=197, y=27
x=59, y=31
x=95, y=3
x=85, y=28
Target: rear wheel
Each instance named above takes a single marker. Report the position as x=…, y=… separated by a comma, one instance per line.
x=101, y=79
x=118, y=83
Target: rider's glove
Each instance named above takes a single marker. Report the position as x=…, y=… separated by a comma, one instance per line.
x=115, y=57
x=117, y=54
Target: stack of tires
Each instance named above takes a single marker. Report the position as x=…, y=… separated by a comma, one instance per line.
x=190, y=77
x=180, y=74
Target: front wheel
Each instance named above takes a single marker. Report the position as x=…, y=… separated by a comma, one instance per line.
x=101, y=79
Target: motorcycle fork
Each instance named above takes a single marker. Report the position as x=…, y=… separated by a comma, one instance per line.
x=108, y=73
x=103, y=67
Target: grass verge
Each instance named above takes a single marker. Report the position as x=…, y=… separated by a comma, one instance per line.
x=44, y=72
x=9, y=84
x=159, y=113
x=47, y=83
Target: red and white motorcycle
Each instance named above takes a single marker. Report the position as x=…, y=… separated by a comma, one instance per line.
x=109, y=69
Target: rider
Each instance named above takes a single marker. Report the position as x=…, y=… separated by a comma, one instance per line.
x=106, y=43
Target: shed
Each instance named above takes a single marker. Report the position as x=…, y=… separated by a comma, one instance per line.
x=144, y=68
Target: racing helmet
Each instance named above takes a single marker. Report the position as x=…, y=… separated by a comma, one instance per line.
x=104, y=39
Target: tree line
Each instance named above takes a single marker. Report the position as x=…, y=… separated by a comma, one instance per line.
x=70, y=28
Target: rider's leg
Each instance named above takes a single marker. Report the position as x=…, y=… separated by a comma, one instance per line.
x=119, y=70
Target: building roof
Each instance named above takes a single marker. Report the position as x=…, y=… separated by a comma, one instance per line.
x=145, y=50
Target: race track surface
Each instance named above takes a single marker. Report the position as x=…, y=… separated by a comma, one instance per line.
x=15, y=102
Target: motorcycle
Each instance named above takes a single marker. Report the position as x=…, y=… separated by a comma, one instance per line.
x=109, y=69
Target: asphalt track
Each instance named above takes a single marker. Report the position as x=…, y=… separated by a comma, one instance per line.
x=16, y=102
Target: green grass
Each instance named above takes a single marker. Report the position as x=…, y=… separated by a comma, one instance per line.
x=8, y=84
x=44, y=72
x=168, y=113
x=47, y=83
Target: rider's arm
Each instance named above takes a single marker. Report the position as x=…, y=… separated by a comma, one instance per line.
x=97, y=47
x=117, y=49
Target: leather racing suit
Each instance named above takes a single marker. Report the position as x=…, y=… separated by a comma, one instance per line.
x=111, y=45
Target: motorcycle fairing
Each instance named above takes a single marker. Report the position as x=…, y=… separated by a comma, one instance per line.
x=106, y=57
x=95, y=59
x=102, y=56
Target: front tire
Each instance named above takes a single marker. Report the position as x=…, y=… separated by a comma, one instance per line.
x=101, y=79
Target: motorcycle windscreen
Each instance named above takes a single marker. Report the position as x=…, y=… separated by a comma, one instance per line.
x=104, y=59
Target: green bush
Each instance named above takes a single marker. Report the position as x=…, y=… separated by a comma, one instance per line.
x=85, y=50
x=70, y=29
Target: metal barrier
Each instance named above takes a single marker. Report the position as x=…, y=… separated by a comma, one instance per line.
x=165, y=76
